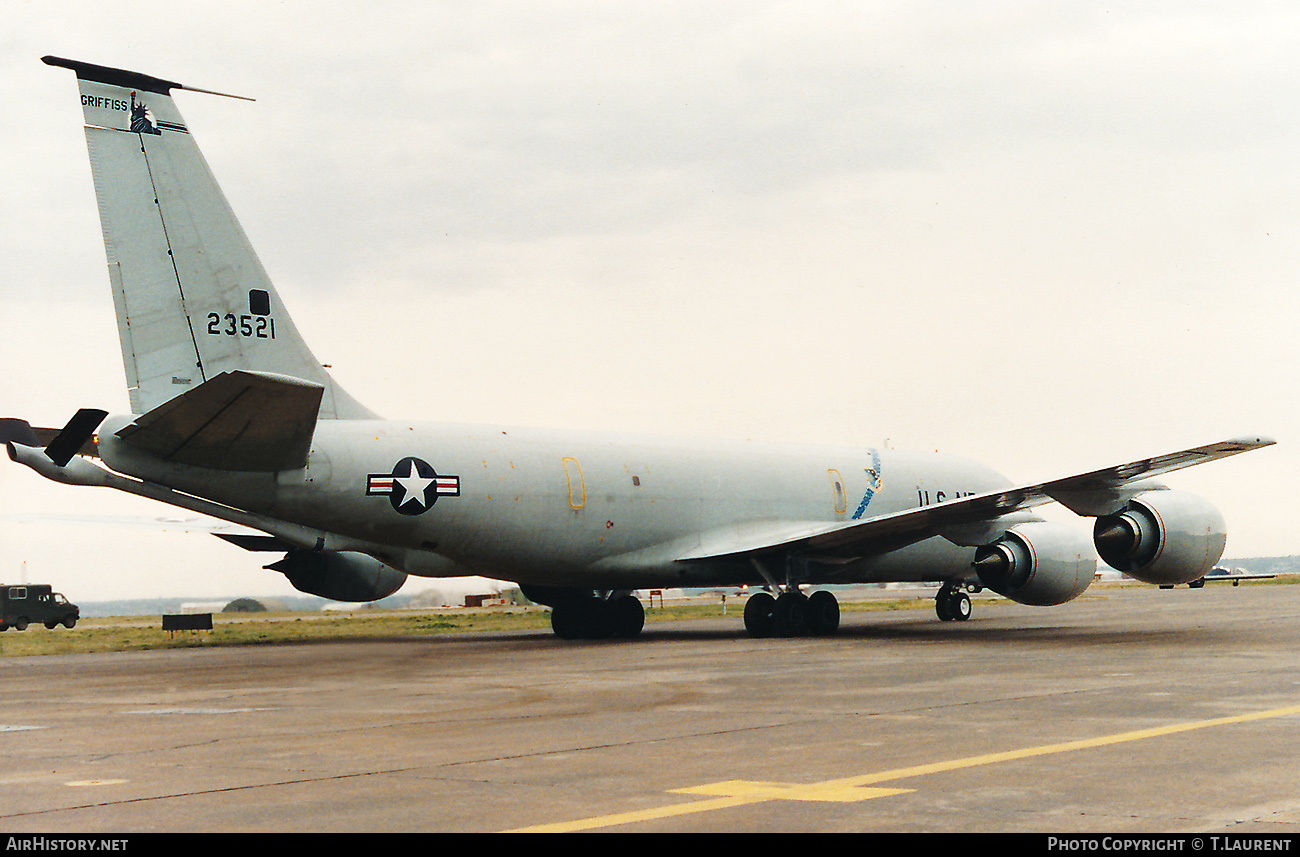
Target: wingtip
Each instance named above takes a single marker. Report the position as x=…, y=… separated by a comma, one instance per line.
x=1252, y=441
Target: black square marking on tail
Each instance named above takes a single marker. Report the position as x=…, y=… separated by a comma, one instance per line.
x=259, y=302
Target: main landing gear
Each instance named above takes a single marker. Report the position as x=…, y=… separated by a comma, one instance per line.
x=951, y=603
x=596, y=618
x=792, y=614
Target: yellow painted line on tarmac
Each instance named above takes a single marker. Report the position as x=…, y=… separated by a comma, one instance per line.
x=733, y=793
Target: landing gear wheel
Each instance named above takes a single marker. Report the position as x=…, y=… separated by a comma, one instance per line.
x=952, y=605
x=626, y=617
x=959, y=606
x=760, y=615
x=597, y=619
x=823, y=613
x=569, y=620
x=791, y=614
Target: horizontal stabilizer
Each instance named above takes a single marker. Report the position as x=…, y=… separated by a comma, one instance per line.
x=241, y=420
x=20, y=431
x=14, y=430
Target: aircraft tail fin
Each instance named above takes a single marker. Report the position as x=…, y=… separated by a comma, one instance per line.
x=192, y=298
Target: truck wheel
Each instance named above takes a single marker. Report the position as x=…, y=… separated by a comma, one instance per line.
x=70, y=621
x=21, y=623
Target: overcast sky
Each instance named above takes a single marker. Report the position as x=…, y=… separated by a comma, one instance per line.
x=1051, y=236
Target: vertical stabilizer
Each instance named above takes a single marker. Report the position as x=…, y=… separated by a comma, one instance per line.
x=192, y=299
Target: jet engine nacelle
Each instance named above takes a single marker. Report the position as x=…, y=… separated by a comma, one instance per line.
x=1165, y=537
x=1040, y=563
x=339, y=576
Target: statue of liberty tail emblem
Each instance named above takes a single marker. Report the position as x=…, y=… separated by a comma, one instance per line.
x=140, y=121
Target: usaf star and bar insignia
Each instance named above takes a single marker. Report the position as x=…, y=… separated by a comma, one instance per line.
x=413, y=486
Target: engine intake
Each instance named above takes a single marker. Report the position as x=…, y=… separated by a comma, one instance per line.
x=1040, y=563
x=1164, y=537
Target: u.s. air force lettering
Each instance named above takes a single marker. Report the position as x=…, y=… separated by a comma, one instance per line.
x=413, y=486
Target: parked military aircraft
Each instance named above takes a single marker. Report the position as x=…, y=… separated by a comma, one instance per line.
x=233, y=417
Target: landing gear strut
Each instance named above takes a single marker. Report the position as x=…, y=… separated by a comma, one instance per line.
x=952, y=604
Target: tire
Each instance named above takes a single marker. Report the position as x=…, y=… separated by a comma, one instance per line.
x=823, y=613
x=568, y=620
x=20, y=624
x=627, y=617
x=760, y=615
x=791, y=614
x=959, y=606
x=69, y=621
x=594, y=619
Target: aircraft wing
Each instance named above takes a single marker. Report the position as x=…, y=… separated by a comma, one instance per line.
x=1235, y=578
x=970, y=521
x=241, y=420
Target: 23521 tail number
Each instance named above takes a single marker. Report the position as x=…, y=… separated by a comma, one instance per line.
x=255, y=326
